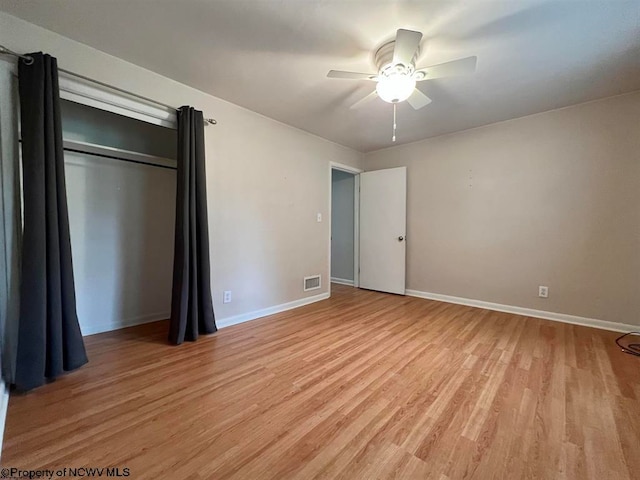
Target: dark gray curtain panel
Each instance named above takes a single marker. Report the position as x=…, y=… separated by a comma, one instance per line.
x=49, y=337
x=191, y=304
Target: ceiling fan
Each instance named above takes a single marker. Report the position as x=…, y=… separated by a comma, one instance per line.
x=397, y=74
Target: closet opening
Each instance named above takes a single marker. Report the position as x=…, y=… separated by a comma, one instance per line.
x=121, y=192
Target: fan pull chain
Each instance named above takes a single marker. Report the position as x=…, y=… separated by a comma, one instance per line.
x=393, y=137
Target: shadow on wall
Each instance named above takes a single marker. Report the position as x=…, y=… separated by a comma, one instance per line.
x=146, y=244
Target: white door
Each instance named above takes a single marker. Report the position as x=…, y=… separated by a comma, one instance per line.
x=383, y=219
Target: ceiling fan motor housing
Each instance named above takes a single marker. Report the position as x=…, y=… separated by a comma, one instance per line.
x=383, y=57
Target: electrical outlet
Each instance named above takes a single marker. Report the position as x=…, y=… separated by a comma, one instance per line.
x=543, y=292
x=227, y=296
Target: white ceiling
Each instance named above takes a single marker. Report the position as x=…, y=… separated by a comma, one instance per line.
x=272, y=56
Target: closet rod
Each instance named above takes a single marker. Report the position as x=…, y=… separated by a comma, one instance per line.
x=29, y=60
x=113, y=157
x=86, y=149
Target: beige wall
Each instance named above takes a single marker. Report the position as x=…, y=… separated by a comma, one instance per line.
x=550, y=199
x=266, y=181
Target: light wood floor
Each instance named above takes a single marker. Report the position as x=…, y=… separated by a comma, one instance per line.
x=364, y=385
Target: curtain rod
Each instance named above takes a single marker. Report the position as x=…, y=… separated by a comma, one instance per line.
x=29, y=60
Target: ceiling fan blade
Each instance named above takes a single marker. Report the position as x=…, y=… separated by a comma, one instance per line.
x=351, y=75
x=418, y=99
x=463, y=66
x=407, y=43
x=364, y=101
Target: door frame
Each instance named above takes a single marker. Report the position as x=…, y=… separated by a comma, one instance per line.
x=356, y=220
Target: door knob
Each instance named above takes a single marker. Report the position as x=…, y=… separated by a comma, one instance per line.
x=400, y=238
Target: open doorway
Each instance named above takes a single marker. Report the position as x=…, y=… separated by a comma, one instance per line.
x=344, y=218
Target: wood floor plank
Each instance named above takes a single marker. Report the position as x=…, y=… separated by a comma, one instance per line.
x=363, y=385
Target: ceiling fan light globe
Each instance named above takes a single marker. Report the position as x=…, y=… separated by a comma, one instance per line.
x=395, y=88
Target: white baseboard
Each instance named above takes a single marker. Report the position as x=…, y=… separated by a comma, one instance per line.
x=245, y=317
x=342, y=281
x=127, y=322
x=221, y=323
x=4, y=405
x=528, y=312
